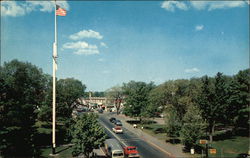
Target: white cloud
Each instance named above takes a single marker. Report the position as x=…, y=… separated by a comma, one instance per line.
x=86, y=34
x=203, y=5
x=10, y=8
x=103, y=44
x=14, y=9
x=225, y=4
x=192, y=70
x=199, y=27
x=81, y=48
x=199, y=5
x=171, y=5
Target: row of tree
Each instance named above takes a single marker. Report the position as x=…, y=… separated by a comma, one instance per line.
x=192, y=107
x=25, y=110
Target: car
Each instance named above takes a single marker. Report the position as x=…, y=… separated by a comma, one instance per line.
x=100, y=111
x=112, y=119
x=131, y=152
x=117, y=129
x=118, y=123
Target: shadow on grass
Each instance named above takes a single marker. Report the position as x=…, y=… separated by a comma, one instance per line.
x=173, y=141
x=133, y=121
x=159, y=130
x=61, y=150
x=230, y=134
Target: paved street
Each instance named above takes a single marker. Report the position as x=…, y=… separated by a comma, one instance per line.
x=128, y=138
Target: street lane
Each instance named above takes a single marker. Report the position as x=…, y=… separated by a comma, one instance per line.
x=130, y=139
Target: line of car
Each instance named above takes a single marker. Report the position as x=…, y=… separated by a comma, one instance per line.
x=118, y=125
x=113, y=148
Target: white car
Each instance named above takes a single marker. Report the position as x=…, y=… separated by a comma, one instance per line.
x=117, y=129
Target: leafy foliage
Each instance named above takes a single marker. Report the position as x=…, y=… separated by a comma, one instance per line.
x=136, y=98
x=115, y=94
x=160, y=98
x=21, y=92
x=239, y=99
x=87, y=134
x=193, y=127
x=68, y=91
x=173, y=123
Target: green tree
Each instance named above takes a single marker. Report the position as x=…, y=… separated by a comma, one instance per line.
x=45, y=109
x=213, y=101
x=239, y=100
x=87, y=134
x=22, y=88
x=221, y=98
x=161, y=97
x=136, y=98
x=68, y=91
x=193, y=127
x=116, y=95
x=180, y=97
x=98, y=94
x=206, y=103
x=173, y=123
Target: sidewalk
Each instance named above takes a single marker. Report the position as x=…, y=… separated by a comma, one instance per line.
x=174, y=151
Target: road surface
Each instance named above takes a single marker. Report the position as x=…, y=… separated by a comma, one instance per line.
x=130, y=139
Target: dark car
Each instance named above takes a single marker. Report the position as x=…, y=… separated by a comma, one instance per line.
x=100, y=111
x=112, y=119
x=118, y=123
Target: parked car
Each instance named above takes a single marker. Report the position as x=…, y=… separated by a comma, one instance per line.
x=118, y=123
x=131, y=152
x=112, y=119
x=117, y=129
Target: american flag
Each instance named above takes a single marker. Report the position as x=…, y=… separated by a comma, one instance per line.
x=60, y=11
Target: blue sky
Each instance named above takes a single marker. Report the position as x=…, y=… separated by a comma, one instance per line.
x=104, y=44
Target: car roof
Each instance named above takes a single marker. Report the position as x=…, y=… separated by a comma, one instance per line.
x=114, y=144
x=131, y=146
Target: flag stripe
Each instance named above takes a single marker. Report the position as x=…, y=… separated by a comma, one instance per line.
x=60, y=11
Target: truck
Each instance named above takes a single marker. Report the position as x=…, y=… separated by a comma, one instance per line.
x=131, y=152
x=113, y=148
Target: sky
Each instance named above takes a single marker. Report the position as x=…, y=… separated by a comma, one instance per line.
x=107, y=43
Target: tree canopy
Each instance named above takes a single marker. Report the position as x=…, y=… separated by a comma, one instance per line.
x=136, y=98
x=21, y=93
x=87, y=134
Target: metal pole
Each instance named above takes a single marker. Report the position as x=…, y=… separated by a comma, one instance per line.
x=54, y=89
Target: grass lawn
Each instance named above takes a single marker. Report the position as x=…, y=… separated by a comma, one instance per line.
x=155, y=130
x=62, y=151
x=231, y=147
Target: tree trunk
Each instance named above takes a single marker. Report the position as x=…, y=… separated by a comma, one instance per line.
x=87, y=155
x=211, y=133
x=118, y=107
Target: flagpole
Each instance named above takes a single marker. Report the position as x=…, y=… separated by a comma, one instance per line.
x=54, y=88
